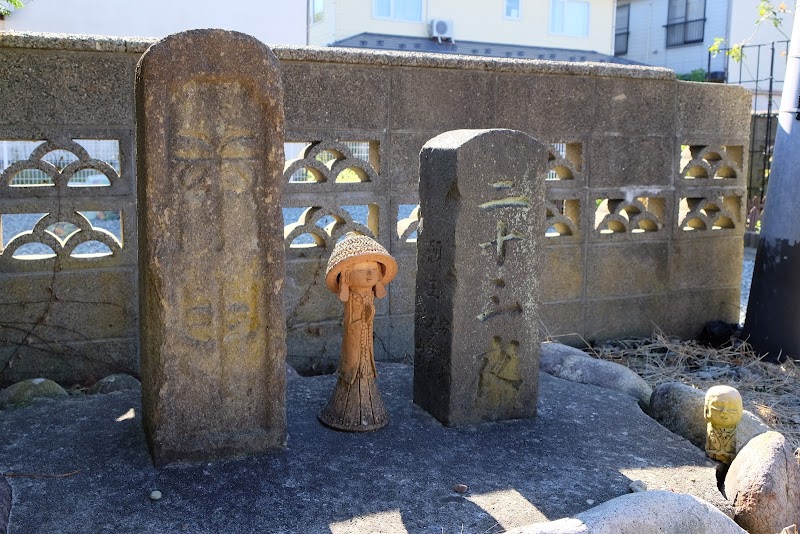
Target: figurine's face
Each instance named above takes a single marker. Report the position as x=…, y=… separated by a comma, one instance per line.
x=365, y=274
x=724, y=411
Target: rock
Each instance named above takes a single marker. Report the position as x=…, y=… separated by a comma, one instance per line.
x=679, y=408
x=649, y=511
x=111, y=383
x=575, y=365
x=23, y=393
x=291, y=373
x=763, y=483
x=155, y=495
x=637, y=486
x=460, y=488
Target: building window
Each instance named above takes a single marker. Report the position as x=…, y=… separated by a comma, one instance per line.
x=686, y=21
x=405, y=10
x=317, y=10
x=512, y=9
x=569, y=17
x=622, y=31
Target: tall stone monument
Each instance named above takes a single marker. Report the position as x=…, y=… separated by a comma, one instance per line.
x=209, y=109
x=478, y=271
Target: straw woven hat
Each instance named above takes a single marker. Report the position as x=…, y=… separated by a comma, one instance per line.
x=355, y=248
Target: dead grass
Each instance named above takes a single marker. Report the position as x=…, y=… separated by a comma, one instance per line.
x=771, y=391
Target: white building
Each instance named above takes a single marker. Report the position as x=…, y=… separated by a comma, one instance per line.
x=678, y=33
x=271, y=21
x=578, y=25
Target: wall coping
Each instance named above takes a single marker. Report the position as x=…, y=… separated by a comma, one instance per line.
x=101, y=43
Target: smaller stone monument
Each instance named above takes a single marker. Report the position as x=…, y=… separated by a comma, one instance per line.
x=479, y=265
x=358, y=270
x=723, y=411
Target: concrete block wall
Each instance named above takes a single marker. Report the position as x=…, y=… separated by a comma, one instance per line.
x=618, y=259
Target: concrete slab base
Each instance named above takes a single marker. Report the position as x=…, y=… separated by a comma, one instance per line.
x=584, y=448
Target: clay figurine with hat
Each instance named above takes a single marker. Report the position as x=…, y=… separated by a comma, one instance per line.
x=358, y=270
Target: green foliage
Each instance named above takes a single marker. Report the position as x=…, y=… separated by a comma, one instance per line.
x=6, y=4
x=767, y=12
x=735, y=52
x=697, y=75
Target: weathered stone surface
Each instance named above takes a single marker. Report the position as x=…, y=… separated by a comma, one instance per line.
x=112, y=383
x=763, y=483
x=210, y=115
x=585, y=444
x=66, y=88
x=680, y=408
x=27, y=391
x=575, y=365
x=5, y=503
x=478, y=274
x=648, y=511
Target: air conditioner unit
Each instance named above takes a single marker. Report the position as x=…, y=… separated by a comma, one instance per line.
x=441, y=29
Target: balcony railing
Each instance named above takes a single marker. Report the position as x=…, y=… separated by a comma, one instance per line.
x=682, y=33
x=621, y=43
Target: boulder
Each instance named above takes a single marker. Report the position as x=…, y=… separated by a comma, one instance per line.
x=679, y=408
x=291, y=373
x=575, y=365
x=23, y=393
x=111, y=383
x=647, y=511
x=763, y=483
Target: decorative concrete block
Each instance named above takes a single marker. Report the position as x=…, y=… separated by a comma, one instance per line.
x=478, y=276
x=428, y=99
x=210, y=115
x=563, y=322
x=618, y=270
x=563, y=273
x=544, y=105
x=707, y=263
x=62, y=87
x=695, y=100
x=621, y=161
x=634, y=107
x=329, y=96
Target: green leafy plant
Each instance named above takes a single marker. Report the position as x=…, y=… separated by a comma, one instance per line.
x=767, y=12
x=697, y=75
x=6, y=5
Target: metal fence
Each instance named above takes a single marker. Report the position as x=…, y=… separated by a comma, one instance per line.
x=757, y=69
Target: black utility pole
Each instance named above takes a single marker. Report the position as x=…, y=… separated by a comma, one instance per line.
x=772, y=325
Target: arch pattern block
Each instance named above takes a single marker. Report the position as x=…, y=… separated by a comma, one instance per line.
x=332, y=171
x=714, y=162
x=629, y=216
x=60, y=177
x=313, y=221
x=710, y=213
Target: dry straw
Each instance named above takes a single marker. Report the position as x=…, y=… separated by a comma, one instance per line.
x=768, y=390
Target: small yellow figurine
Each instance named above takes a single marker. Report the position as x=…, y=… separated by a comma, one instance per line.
x=358, y=270
x=723, y=411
